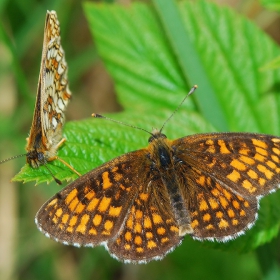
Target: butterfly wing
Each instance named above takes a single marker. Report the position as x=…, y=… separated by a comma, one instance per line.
x=52, y=96
x=93, y=208
x=223, y=176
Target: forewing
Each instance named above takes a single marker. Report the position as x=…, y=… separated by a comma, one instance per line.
x=55, y=91
x=92, y=209
x=222, y=178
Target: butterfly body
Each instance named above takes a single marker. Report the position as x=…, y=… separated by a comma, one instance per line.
x=140, y=205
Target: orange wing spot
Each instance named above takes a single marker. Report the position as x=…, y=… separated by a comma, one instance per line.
x=203, y=205
x=211, y=149
x=234, y=222
x=261, y=151
x=210, y=227
x=117, y=176
x=252, y=174
x=149, y=235
x=157, y=218
x=231, y=213
x=83, y=224
x=69, y=229
x=104, y=204
x=201, y=180
x=223, y=224
x=259, y=143
x=90, y=195
x=268, y=174
x=275, y=158
x=238, y=165
x=108, y=225
x=151, y=244
x=139, y=214
x=164, y=240
x=248, y=186
x=244, y=151
x=115, y=211
x=128, y=236
x=246, y=204
x=215, y=192
x=91, y=206
x=71, y=196
x=234, y=176
x=80, y=208
x=73, y=221
x=73, y=204
x=247, y=160
x=259, y=157
x=236, y=204
x=276, y=151
x=52, y=203
x=271, y=164
x=223, y=202
x=209, y=142
x=127, y=247
x=213, y=203
x=174, y=228
x=161, y=231
x=242, y=213
x=275, y=140
x=138, y=228
x=147, y=223
x=144, y=196
x=54, y=219
x=106, y=181
x=115, y=169
x=194, y=223
x=206, y=217
x=92, y=231
x=97, y=219
x=65, y=218
x=262, y=181
x=138, y=240
x=227, y=194
x=139, y=250
x=219, y=214
x=59, y=212
x=223, y=147
x=129, y=222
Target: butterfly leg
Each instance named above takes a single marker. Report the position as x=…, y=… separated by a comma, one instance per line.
x=61, y=160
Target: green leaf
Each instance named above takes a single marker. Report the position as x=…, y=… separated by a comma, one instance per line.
x=150, y=85
x=273, y=5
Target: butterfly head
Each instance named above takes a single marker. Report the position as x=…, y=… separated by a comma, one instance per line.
x=156, y=134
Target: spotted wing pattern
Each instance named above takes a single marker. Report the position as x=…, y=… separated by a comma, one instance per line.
x=142, y=204
x=52, y=98
x=223, y=177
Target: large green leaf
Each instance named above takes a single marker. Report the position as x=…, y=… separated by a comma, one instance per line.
x=150, y=84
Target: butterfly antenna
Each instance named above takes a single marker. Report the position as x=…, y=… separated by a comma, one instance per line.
x=8, y=159
x=57, y=180
x=190, y=92
x=119, y=122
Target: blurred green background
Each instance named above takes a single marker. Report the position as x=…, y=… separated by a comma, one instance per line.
x=24, y=252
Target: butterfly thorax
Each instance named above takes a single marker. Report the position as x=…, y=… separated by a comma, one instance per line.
x=162, y=159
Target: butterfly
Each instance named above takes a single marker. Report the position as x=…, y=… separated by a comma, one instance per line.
x=53, y=95
x=140, y=205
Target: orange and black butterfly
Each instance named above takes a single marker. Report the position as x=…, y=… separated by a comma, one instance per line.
x=53, y=95
x=141, y=205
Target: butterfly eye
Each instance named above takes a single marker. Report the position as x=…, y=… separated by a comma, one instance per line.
x=41, y=157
